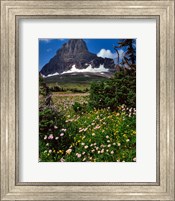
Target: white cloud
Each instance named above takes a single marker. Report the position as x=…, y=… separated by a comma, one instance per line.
x=61, y=39
x=108, y=54
x=47, y=40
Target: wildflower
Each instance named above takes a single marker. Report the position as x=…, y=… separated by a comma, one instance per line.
x=68, y=151
x=112, y=152
x=134, y=159
x=45, y=137
x=62, y=134
x=64, y=129
x=62, y=160
x=55, y=127
x=92, y=150
x=107, y=150
x=107, y=136
x=118, y=160
x=56, y=138
x=78, y=155
x=108, y=141
x=85, y=129
x=103, y=131
x=96, y=148
x=95, y=144
x=98, y=152
x=97, y=127
x=50, y=137
x=86, y=147
x=47, y=144
x=83, y=153
x=60, y=152
x=84, y=159
x=119, y=144
x=109, y=145
x=102, y=151
x=50, y=151
x=93, y=134
x=82, y=143
x=127, y=140
x=114, y=143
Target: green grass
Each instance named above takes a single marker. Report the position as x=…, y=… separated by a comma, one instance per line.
x=71, y=85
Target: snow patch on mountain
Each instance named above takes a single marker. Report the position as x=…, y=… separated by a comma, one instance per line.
x=101, y=68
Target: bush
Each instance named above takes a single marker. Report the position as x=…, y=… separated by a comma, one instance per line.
x=81, y=107
x=118, y=90
x=54, y=140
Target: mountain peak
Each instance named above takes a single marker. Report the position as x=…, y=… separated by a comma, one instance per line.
x=75, y=52
x=73, y=47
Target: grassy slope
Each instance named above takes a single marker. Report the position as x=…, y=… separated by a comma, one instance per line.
x=80, y=81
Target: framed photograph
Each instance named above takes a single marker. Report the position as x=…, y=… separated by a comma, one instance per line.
x=87, y=100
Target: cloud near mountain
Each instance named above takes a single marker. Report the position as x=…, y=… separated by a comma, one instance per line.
x=108, y=54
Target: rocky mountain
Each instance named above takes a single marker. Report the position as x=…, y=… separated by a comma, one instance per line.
x=75, y=53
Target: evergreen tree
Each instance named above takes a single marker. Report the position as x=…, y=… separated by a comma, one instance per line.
x=129, y=58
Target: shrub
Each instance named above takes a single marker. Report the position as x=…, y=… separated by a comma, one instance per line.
x=81, y=107
x=118, y=90
x=53, y=138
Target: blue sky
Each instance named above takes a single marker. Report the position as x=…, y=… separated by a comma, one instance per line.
x=101, y=47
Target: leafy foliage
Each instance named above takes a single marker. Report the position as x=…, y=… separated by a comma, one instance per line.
x=129, y=58
x=118, y=90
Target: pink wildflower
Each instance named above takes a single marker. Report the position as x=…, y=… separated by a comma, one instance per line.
x=50, y=137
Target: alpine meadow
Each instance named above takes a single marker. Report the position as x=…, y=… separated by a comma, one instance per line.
x=87, y=100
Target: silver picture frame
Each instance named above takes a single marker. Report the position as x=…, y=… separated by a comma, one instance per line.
x=11, y=12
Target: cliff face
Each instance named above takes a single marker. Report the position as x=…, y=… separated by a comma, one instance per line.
x=75, y=52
